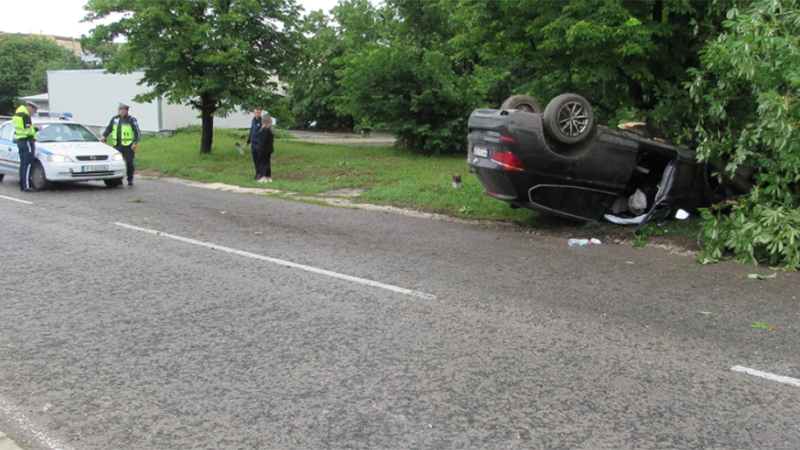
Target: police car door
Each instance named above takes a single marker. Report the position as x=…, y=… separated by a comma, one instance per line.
x=9, y=153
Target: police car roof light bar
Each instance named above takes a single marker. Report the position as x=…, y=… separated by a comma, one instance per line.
x=62, y=115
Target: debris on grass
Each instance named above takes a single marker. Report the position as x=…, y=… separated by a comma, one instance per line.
x=755, y=276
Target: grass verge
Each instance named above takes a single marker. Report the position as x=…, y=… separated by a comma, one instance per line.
x=385, y=175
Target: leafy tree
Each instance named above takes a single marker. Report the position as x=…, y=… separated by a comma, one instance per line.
x=409, y=82
x=214, y=55
x=314, y=81
x=104, y=51
x=315, y=84
x=25, y=62
x=628, y=58
x=748, y=85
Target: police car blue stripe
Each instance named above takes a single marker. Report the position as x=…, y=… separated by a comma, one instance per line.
x=10, y=166
x=38, y=149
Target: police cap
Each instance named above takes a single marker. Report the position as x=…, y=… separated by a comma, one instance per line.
x=124, y=106
x=32, y=105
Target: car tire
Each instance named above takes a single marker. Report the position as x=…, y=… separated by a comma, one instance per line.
x=2, y=175
x=568, y=118
x=115, y=182
x=39, y=178
x=524, y=103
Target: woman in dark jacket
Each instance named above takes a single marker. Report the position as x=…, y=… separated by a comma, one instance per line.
x=266, y=139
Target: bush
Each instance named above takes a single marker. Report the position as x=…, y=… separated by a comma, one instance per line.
x=748, y=90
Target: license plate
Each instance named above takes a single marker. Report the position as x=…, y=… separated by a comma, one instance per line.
x=483, y=152
x=94, y=168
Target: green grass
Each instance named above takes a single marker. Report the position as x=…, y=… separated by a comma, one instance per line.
x=387, y=176
x=689, y=228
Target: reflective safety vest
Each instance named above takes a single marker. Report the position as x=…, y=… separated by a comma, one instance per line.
x=127, y=133
x=20, y=132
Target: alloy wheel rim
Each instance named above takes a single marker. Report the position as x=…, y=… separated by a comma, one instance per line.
x=573, y=119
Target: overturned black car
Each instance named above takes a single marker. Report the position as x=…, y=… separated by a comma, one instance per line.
x=559, y=162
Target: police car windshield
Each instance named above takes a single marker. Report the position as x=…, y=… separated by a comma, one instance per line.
x=64, y=132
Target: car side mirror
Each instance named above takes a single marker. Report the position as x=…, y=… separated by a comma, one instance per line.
x=681, y=215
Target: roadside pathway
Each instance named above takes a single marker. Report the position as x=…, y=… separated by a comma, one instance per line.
x=319, y=137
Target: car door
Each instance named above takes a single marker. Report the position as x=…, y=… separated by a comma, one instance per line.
x=9, y=153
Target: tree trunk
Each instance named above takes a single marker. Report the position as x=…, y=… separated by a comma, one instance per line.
x=207, y=116
x=658, y=11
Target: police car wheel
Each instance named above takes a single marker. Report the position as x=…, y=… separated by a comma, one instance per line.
x=116, y=182
x=2, y=176
x=39, y=178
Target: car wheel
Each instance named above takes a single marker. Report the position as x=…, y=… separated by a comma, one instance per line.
x=568, y=118
x=39, y=178
x=116, y=182
x=523, y=103
x=2, y=176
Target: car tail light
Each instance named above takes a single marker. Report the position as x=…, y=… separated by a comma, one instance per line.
x=506, y=139
x=508, y=160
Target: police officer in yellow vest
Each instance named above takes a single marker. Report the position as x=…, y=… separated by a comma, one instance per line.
x=25, y=137
x=123, y=134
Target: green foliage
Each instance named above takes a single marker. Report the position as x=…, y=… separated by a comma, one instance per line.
x=414, y=94
x=25, y=62
x=104, y=51
x=209, y=54
x=408, y=81
x=645, y=232
x=754, y=231
x=314, y=82
x=748, y=88
x=627, y=58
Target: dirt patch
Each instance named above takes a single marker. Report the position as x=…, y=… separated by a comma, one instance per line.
x=342, y=193
x=151, y=173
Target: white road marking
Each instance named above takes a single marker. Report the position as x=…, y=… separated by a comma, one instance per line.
x=282, y=262
x=770, y=376
x=16, y=200
x=25, y=424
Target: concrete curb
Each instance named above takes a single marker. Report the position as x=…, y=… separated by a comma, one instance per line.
x=6, y=443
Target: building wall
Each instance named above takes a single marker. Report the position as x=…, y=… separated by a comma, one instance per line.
x=93, y=97
x=179, y=116
x=67, y=42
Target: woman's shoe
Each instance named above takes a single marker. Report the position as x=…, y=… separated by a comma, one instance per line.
x=269, y=180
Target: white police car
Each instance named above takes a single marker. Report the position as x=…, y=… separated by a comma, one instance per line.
x=65, y=152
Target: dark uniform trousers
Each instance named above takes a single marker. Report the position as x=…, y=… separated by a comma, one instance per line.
x=128, y=154
x=254, y=151
x=27, y=156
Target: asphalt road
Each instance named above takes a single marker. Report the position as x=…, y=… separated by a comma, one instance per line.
x=257, y=323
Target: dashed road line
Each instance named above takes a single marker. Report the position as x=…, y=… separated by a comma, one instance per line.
x=16, y=200
x=328, y=273
x=769, y=376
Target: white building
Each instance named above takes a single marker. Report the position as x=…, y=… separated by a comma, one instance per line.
x=92, y=96
x=41, y=100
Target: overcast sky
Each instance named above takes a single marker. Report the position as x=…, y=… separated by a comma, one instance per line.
x=62, y=17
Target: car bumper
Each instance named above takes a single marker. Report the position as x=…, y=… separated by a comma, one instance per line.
x=101, y=170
